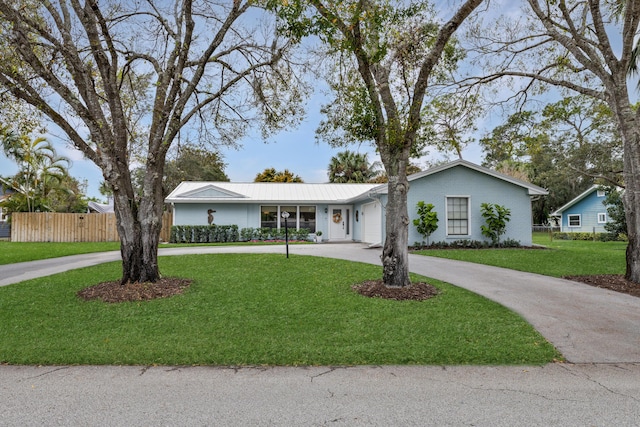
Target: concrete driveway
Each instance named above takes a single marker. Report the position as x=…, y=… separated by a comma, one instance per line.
x=598, y=331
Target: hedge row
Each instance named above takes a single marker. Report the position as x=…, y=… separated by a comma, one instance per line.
x=248, y=234
x=204, y=233
x=230, y=233
x=469, y=244
x=602, y=237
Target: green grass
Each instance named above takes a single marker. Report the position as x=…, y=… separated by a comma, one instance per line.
x=259, y=309
x=12, y=252
x=562, y=258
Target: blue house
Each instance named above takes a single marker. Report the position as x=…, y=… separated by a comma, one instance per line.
x=356, y=212
x=586, y=213
x=5, y=227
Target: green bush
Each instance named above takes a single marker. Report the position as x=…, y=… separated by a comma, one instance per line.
x=601, y=237
x=248, y=234
x=204, y=233
x=470, y=244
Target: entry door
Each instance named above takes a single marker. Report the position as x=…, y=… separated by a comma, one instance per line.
x=338, y=222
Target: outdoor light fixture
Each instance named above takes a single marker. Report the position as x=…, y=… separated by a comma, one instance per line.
x=285, y=215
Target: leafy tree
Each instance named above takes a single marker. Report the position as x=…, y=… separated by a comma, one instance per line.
x=449, y=120
x=616, y=224
x=189, y=164
x=271, y=175
x=496, y=218
x=563, y=147
x=384, y=55
x=382, y=178
x=427, y=221
x=349, y=166
x=586, y=47
x=41, y=176
x=99, y=70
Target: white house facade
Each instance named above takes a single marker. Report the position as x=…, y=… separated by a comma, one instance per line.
x=356, y=212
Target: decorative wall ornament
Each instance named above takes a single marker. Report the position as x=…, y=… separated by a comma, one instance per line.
x=210, y=216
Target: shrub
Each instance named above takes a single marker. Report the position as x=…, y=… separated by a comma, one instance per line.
x=427, y=221
x=496, y=217
x=204, y=233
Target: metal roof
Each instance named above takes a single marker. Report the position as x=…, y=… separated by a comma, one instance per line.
x=265, y=192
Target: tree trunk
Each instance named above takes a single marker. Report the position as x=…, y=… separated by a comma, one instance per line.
x=632, y=215
x=139, y=228
x=630, y=134
x=395, y=254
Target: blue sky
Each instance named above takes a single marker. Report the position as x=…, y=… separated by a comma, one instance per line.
x=295, y=149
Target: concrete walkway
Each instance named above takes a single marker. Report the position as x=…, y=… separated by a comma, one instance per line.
x=597, y=330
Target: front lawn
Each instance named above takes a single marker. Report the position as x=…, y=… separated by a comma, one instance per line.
x=259, y=309
x=561, y=258
x=12, y=252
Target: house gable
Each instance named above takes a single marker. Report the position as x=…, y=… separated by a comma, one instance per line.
x=210, y=192
x=585, y=213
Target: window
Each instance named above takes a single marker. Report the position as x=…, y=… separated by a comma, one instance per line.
x=457, y=216
x=600, y=193
x=308, y=218
x=269, y=217
x=299, y=217
x=574, y=220
x=602, y=218
x=293, y=215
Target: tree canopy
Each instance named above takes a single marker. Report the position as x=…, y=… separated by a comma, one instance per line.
x=271, y=175
x=349, y=166
x=124, y=80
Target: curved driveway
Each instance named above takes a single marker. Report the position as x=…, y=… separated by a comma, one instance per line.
x=596, y=329
x=586, y=324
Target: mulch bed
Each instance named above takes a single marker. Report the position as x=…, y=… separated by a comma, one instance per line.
x=377, y=289
x=114, y=292
x=614, y=282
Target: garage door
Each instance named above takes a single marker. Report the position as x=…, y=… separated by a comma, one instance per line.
x=372, y=223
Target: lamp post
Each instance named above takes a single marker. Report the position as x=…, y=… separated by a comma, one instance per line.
x=285, y=215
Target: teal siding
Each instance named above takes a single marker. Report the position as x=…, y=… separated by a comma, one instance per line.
x=480, y=188
x=242, y=215
x=588, y=208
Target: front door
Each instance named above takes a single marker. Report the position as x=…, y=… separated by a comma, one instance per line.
x=339, y=222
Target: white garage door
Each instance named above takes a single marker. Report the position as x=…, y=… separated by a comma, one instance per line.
x=372, y=223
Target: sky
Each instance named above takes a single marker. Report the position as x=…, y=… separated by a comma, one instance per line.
x=293, y=149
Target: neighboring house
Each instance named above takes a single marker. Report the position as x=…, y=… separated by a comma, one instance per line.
x=5, y=227
x=355, y=212
x=586, y=213
x=95, y=207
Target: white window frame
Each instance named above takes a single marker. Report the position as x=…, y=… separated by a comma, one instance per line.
x=446, y=204
x=602, y=217
x=569, y=220
x=294, y=219
x=600, y=193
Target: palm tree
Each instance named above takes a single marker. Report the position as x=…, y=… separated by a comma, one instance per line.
x=349, y=166
x=41, y=169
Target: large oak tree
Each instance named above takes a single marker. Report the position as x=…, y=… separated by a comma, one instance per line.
x=120, y=77
x=585, y=47
x=385, y=54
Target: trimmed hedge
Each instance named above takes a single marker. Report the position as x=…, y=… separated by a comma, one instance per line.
x=249, y=234
x=602, y=237
x=469, y=244
x=204, y=234
x=230, y=233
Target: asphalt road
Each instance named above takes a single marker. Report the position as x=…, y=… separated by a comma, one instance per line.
x=598, y=331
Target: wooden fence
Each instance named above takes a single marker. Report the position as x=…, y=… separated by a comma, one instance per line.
x=69, y=227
